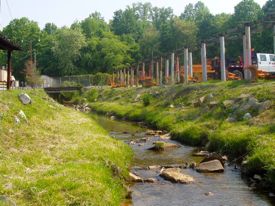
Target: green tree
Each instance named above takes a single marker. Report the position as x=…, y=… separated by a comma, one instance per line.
x=27, y=34
x=247, y=11
x=67, y=46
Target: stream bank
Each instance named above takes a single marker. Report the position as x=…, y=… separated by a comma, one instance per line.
x=208, y=189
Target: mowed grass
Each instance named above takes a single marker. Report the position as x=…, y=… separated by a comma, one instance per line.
x=171, y=108
x=57, y=157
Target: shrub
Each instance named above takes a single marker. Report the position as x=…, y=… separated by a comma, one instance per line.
x=146, y=99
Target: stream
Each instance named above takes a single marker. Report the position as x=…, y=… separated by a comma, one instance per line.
x=223, y=189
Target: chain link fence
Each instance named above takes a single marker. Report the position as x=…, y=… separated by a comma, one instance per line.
x=99, y=79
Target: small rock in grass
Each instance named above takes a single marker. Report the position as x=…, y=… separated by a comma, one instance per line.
x=17, y=120
x=228, y=103
x=25, y=99
x=247, y=116
x=22, y=115
x=231, y=119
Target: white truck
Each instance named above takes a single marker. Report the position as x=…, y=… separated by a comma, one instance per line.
x=266, y=63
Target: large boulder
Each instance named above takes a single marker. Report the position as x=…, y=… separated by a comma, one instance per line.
x=175, y=175
x=214, y=166
x=25, y=98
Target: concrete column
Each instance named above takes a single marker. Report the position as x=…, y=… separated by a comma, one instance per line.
x=244, y=52
x=178, y=69
x=222, y=50
x=161, y=72
x=204, y=62
x=186, y=53
x=172, y=68
x=190, y=66
x=274, y=38
x=157, y=73
x=167, y=72
x=248, y=44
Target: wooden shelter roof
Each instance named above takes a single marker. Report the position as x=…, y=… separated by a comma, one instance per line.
x=6, y=44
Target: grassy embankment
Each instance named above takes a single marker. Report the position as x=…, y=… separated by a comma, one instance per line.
x=172, y=109
x=58, y=156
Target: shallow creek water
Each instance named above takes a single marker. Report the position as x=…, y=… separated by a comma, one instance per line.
x=226, y=189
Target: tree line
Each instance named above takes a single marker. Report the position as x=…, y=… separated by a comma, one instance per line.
x=141, y=31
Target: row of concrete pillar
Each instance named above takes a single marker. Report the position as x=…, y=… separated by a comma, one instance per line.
x=130, y=77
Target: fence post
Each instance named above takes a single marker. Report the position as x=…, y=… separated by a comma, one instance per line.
x=190, y=66
x=204, y=62
x=222, y=50
x=186, y=53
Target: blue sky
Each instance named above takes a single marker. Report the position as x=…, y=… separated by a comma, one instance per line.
x=65, y=12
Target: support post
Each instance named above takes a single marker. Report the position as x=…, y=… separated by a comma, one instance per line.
x=190, y=66
x=248, y=44
x=167, y=72
x=222, y=50
x=244, y=52
x=186, y=53
x=161, y=72
x=9, y=71
x=157, y=72
x=204, y=62
x=248, y=51
x=274, y=38
x=173, y=68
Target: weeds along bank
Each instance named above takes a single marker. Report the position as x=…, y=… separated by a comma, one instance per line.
x=234, y=118
x=57, y=156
